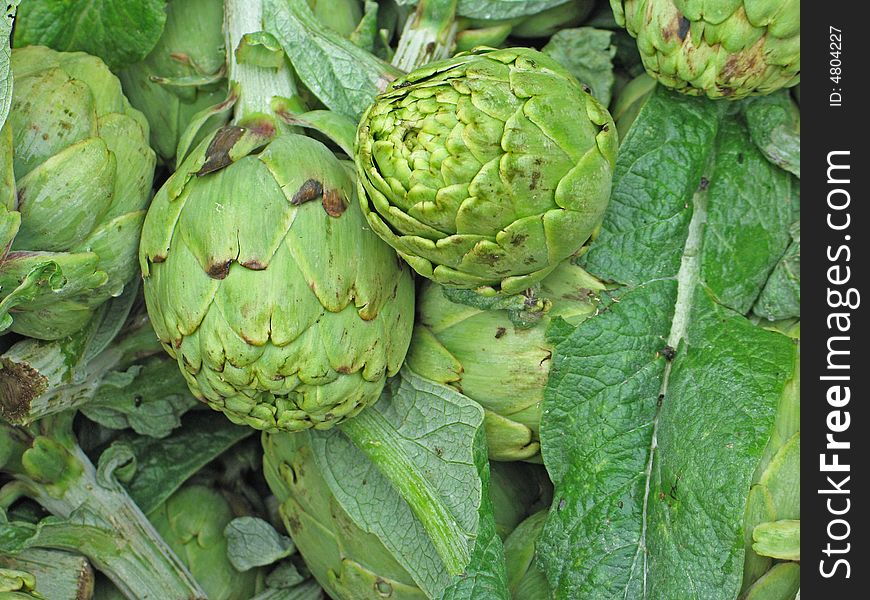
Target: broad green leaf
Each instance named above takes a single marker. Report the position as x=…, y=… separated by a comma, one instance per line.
x=588, y=54
x=253, y=542
x=120, y=32
x=429, y=434
x=781, y=297
x=5, y=66
x=163, y=465
x=343, y=76
x=659, y=409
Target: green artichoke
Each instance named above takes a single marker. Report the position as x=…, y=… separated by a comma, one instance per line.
x=77, y=173
x=282, y=309
x=772, y=517
x=486, y=170
x=182, y=75
x=525, y=580
x=348, y=562
x=730, y=49
x=192, y=522
x=501, y=366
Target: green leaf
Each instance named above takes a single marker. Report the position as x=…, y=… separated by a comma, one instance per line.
x=775, y=124
x=429, y=437
x=163, y=465
x=5, y=66
x=121, y=32
x=659, y=409
x=781, y=297
x=342, y=76
x=588, y=54
x=148, y=398
x=252, y=542
x=502, y=9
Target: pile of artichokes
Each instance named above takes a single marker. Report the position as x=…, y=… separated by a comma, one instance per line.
x=247, y=206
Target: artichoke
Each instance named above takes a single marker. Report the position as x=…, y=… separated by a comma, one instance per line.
x=192, y=523
x=772, y=516
x=501, y=366
x=729, y=49
x=282, y=309
x=77, y=173
x=486, y=170
x=348, y=562
x=182, y=75
x=525, y=580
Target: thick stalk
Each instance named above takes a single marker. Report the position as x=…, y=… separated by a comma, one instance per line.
x=372, y=434
x=429, y=34
x=97, y=517
x=38, y=379
x=257, y=86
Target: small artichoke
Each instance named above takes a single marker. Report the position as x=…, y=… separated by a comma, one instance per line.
x=501, y=366
x=76, y=179
x=350, y=563
x=182, y=75
x=771, y=524
x=730, y=49
x=486, y=170
x=192, y=522
x=525, y=580
x=261, y=278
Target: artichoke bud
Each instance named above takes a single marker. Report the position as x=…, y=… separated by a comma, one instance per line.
x=192, y=522
x=487, y=170
x=183, y=75
x=81, y=173
x=721, y=50
x=282, y=309
x=504, y=367
x=525, y=580
x=772, y=516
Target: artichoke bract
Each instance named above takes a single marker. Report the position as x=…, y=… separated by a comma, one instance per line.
x=349, y=562
x=182, y=75
x=261, y=278
x=77, y=173
x=486, y=170
x=730, y=49
x=501, y=366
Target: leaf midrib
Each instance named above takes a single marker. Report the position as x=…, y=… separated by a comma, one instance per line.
x=688, y=278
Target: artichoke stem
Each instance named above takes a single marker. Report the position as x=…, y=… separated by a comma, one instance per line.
x=257, y=86
x=429, y=35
